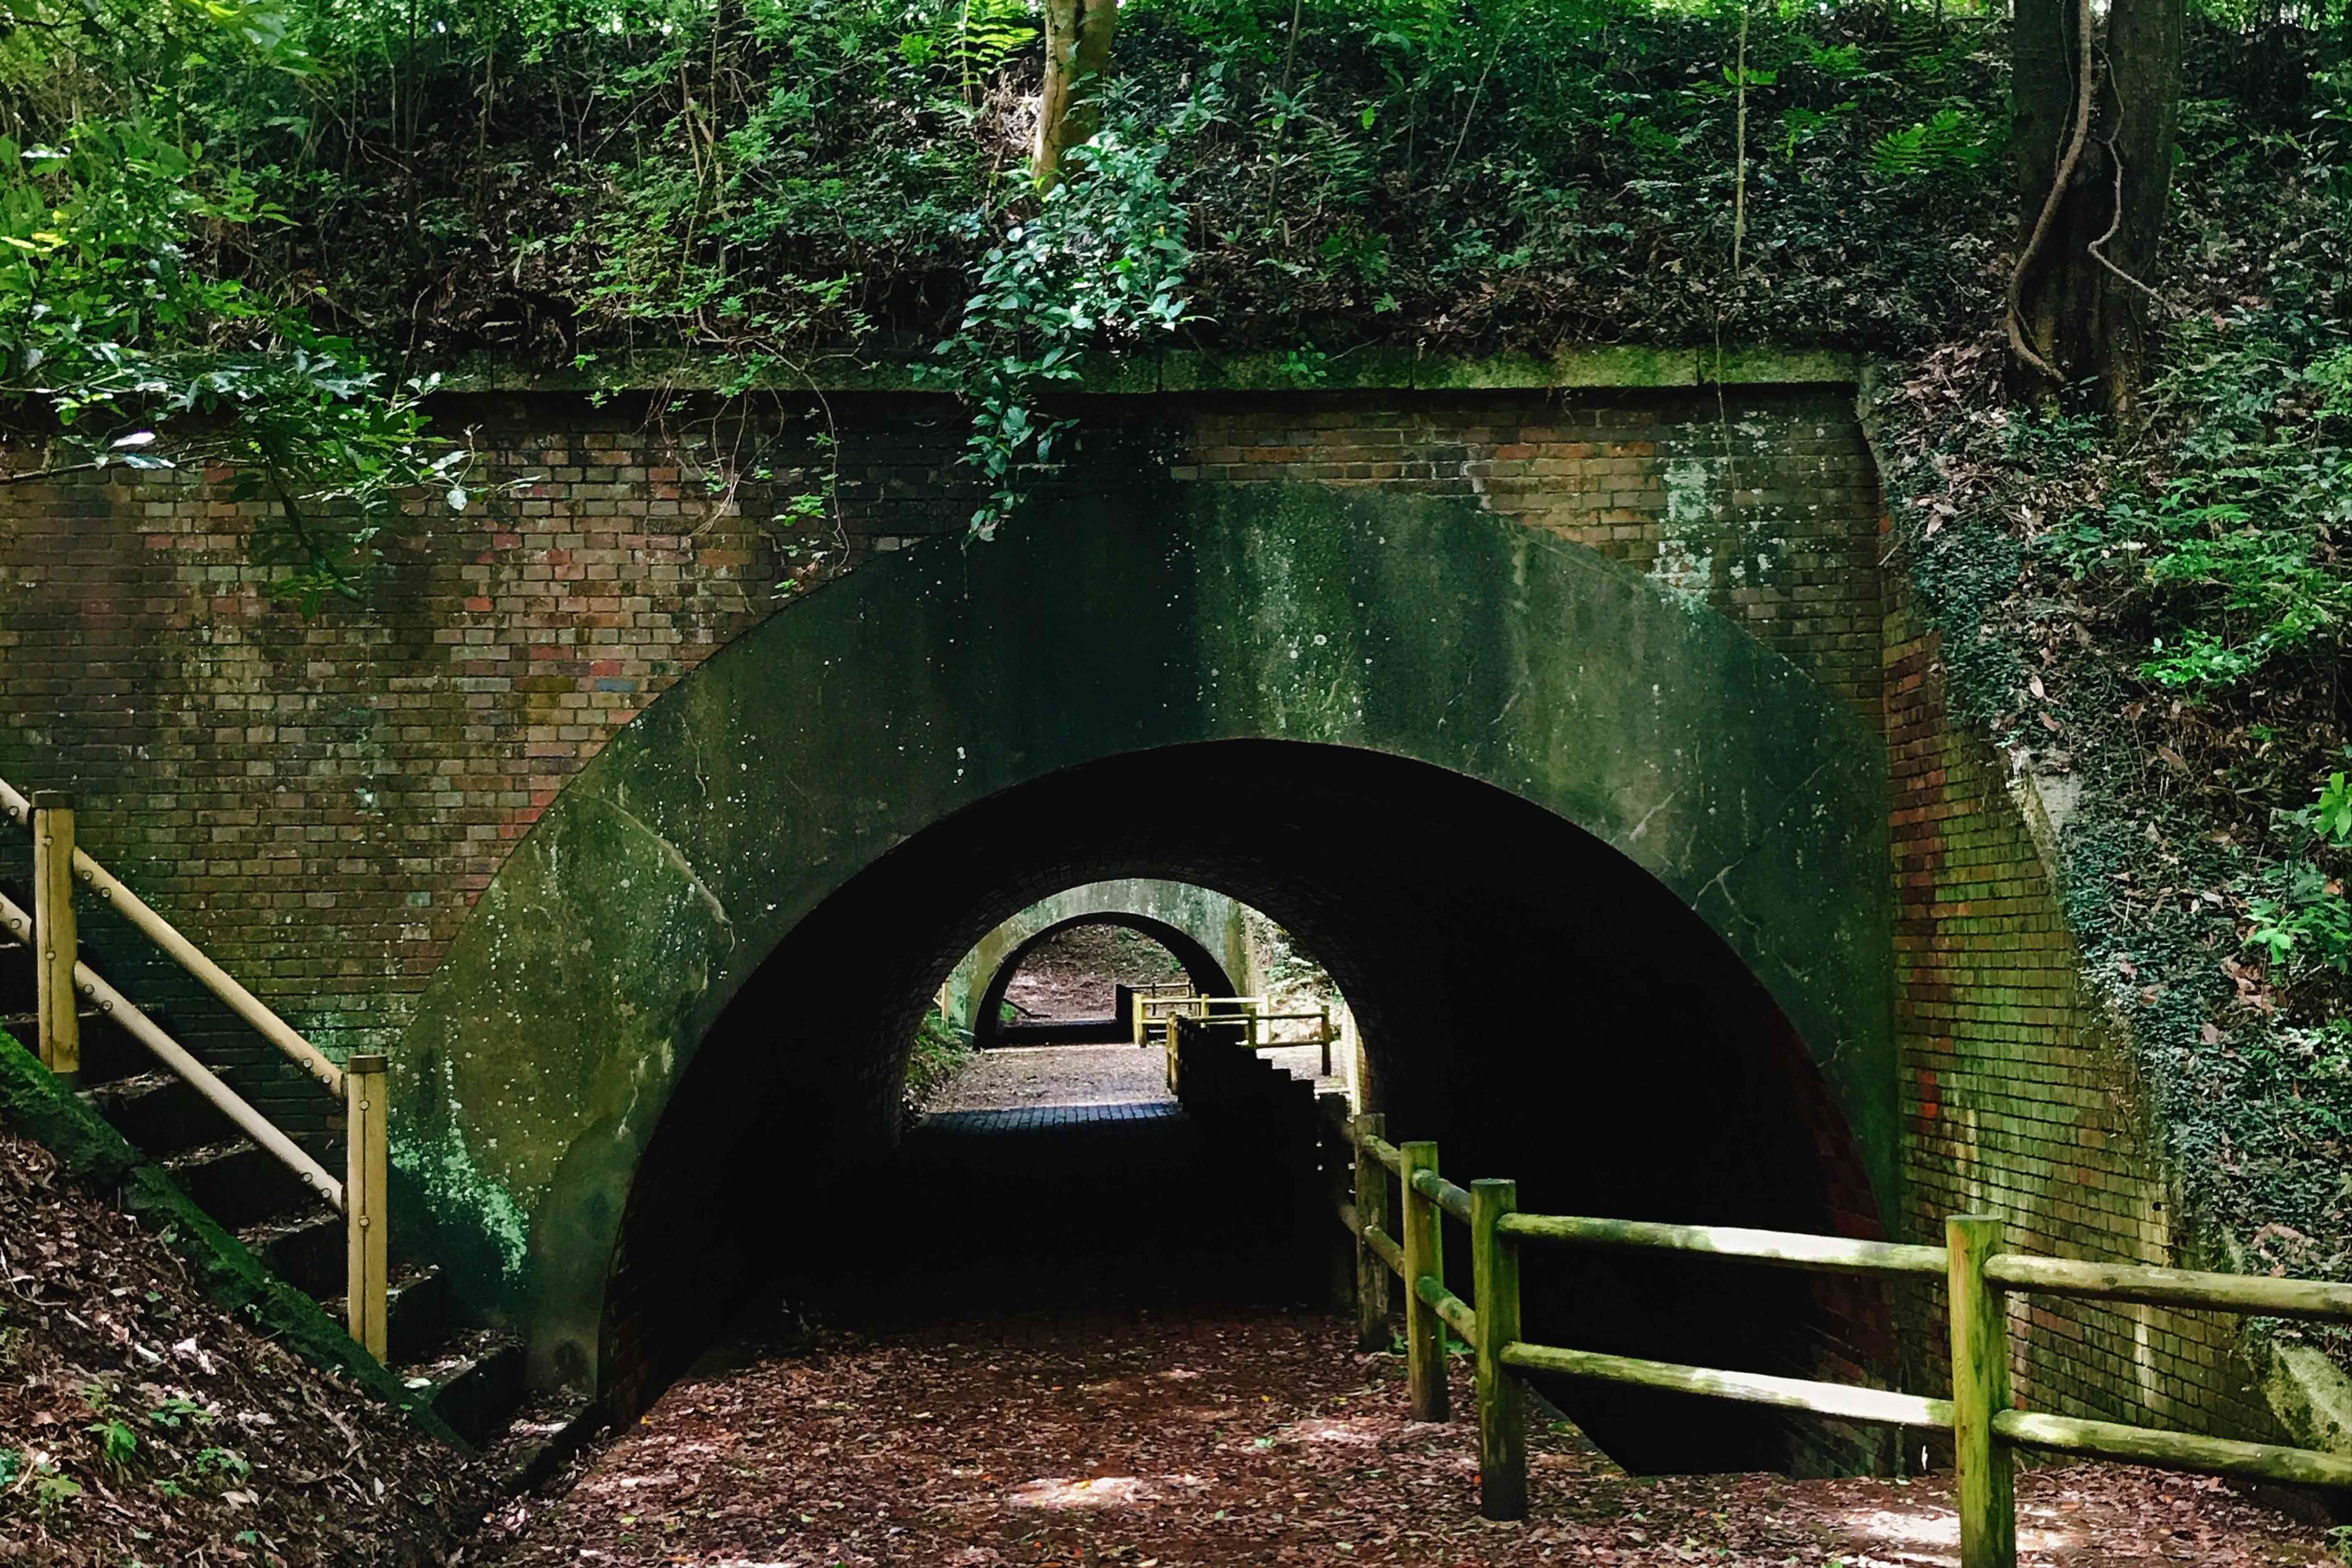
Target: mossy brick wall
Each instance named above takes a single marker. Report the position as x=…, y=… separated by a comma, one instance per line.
x=2018, y=1099
x=320, y=801
x=1758, y=502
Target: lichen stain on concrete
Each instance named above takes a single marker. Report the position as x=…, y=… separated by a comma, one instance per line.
x=439, y=1161
x=1688, y=534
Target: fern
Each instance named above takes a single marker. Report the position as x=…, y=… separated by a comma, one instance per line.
x=1949, y=139
x=985, y=33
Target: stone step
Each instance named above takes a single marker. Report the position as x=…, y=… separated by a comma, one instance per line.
x=108, y=1051
x=241, y=1184
x=19, y=990
x=160, y=1112
x=308, y=1253
x=420, y=1312
x=475, y=1384
x=544, y=1431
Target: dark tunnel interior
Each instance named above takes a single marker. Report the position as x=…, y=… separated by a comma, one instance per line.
x=1526, y=996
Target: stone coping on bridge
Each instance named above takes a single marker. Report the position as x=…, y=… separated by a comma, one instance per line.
x=1365, y=369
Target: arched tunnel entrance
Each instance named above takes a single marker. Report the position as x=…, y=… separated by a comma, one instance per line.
x=1604, y=880
x=1527, y=995
x=1200, y=969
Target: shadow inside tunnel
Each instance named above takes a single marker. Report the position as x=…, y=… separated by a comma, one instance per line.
x=1029, y=1208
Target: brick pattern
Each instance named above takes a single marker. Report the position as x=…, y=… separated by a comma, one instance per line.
x=1761, y=504
x=2016, y=1099
x=319, y=802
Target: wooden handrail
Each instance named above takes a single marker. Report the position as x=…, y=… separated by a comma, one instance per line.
x=2179, y=1450
x=1454, y=1199
x=173, y=1054
x=212, y=976
x=1457, y=1312
x=2255, y=1294
x=1977, y=1273
x=1845, y=1401
x=1795, y=1249
x=362, y=1090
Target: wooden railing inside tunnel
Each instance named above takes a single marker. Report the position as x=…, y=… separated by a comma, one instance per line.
x=1985, y=1430
x=61, y=979
x=1256, y=1017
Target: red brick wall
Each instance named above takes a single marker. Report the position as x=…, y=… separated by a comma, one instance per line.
x=2019, y=1097
x=320, y=801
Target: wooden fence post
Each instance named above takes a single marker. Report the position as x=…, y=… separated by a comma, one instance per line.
x=1986, y=1487
x=55, y=942
x=1371, y=1211
x=1502, y=1397
x=1338, y=1176
x=367, y=1254
x=1425, y=1256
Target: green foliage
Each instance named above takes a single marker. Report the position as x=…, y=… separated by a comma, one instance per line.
x=1955, y=137
x=2304, y=920
x=2329, y=817
x=2234, y=537
x=220, y=1464
x=937, y=1051
x=1102, y=262
x=118, y=1445
x=128, y=351
x=2153, y=612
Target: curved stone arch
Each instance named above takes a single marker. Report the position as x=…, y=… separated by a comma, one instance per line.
x=551, y=1037
x=1176, y=914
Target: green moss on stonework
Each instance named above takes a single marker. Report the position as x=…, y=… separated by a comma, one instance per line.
x=1305, y=368
x=35, y=1104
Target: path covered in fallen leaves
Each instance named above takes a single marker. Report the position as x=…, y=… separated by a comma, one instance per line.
x=1207, y=1436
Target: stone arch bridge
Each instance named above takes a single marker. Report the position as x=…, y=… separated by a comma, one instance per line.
x=643, y=861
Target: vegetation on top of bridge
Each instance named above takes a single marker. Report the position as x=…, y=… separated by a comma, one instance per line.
x=258, y=208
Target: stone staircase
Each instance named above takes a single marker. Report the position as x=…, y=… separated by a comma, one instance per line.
x=1261, y=1120
x=472, y=1376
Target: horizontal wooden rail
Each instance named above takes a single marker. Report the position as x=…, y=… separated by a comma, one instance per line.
x=1167, y=1005
x=1977, y=1275
x=1457, y=1312
x=174, y=1056
x=362, y=1089
x=212, y=976
x=2249, y=1293
x=1878, y=1406
x=2175, y=1450
x=1454, y=1199
x=1792, y=1249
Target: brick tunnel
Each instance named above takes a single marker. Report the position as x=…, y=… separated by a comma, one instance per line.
x=1603, y=879
x=1527, y=995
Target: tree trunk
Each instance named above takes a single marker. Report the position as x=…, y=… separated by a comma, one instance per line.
x=2092, y=190
x=1077, y=52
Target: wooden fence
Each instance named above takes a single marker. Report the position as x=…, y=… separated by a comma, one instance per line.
x=1985, y=1430
x=1255, y=1017
x=61, y=981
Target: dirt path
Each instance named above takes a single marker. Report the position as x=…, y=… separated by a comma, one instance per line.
x=1056, y=1074
x=1209, y=1437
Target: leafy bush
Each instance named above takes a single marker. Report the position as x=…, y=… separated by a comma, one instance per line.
x=1103, y=262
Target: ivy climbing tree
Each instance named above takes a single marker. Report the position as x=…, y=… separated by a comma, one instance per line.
x=2094, y=113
